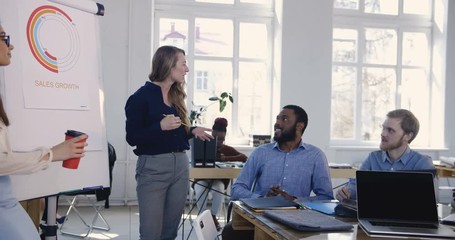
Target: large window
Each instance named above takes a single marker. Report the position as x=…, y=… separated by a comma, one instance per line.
x=381, y=61
x=228, y=49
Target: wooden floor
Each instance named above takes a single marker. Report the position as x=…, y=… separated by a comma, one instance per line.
x=123, y=221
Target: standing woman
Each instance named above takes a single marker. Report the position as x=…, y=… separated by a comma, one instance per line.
x=14, y=221
x=157, y=124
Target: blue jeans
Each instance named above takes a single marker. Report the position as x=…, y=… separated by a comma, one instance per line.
x=14, y=221
x=162, y=187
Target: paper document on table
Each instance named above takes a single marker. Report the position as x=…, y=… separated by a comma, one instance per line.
x=340, y=165
x=229, y=164
x=448, y=160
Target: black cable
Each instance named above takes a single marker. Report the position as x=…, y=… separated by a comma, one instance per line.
x=211, y=189
x=206, y=188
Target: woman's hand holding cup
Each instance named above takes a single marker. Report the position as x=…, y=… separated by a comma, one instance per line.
x=71, y=150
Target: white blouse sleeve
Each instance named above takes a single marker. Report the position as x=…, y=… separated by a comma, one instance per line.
x=12, y=163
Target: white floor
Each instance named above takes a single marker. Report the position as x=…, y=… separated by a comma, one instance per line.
x=123, y=222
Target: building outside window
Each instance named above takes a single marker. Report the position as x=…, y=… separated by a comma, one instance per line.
x=201, y=80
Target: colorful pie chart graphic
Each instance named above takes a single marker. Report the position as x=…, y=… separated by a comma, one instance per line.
x=53, y=39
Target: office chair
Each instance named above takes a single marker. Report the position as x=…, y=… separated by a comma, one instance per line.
x=106, y=192
x=101, y=195
x=205, y=197
x=204, y=227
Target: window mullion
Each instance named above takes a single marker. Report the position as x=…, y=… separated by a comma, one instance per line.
x=360, y=66
x=235, y=75
x=399, y=67
x=191, y=58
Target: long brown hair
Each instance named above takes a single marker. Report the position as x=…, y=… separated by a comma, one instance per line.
x=3, y=116
x=164, y=59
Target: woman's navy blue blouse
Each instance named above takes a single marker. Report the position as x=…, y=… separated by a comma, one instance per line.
x=144, y=110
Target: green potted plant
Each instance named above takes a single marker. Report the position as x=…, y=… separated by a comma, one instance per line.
x=197, y=112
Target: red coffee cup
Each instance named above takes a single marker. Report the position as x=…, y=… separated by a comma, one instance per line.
x=72, y=163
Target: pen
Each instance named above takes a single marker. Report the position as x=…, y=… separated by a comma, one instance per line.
x=184, y=124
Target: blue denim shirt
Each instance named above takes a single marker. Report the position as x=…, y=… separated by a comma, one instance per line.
x=379, y=161
x=410, y=160
x=298, y=172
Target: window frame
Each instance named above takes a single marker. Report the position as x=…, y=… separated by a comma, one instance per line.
x=238, y=12
x=402, y=23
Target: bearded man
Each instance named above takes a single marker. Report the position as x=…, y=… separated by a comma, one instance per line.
x=398, y=131
x=287, y=167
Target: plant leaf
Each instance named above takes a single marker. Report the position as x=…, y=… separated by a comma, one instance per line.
x=214, y=98
x=224, y=95
x=231, y=99
x=222, y=105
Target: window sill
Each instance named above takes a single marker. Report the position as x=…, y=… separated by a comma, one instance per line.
x=372, y=148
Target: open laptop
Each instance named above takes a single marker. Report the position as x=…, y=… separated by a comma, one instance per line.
x=397, y=203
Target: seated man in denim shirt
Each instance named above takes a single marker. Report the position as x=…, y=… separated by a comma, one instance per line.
x=287, y=167
x=398, y=131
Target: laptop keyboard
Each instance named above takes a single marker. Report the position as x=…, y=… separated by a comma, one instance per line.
x=410, y=225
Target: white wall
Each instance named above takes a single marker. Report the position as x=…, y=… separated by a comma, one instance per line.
x=305, y=73
x=306, y=64
x=450, y=82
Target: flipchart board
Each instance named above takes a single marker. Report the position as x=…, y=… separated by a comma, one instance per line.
x=53, y=84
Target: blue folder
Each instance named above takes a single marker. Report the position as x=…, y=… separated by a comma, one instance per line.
x=323, y=207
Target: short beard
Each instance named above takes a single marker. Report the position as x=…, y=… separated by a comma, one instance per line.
x=394, y=146
x=287, y=136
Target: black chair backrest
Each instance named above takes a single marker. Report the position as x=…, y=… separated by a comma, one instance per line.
x=103, y=194
x=111, y=154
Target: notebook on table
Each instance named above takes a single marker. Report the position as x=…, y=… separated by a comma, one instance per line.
x=269, y=203
x=403, y=204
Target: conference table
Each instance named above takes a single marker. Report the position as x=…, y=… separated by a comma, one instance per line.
x=231, y=173
x=214, y=173
x=267, y=229
x=444, y=171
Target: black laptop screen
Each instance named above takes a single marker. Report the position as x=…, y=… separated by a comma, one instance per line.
x=391, y=195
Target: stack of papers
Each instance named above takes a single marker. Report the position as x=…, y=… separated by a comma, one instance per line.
x=229, y=164
x=340, y=165
x=448, y=160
